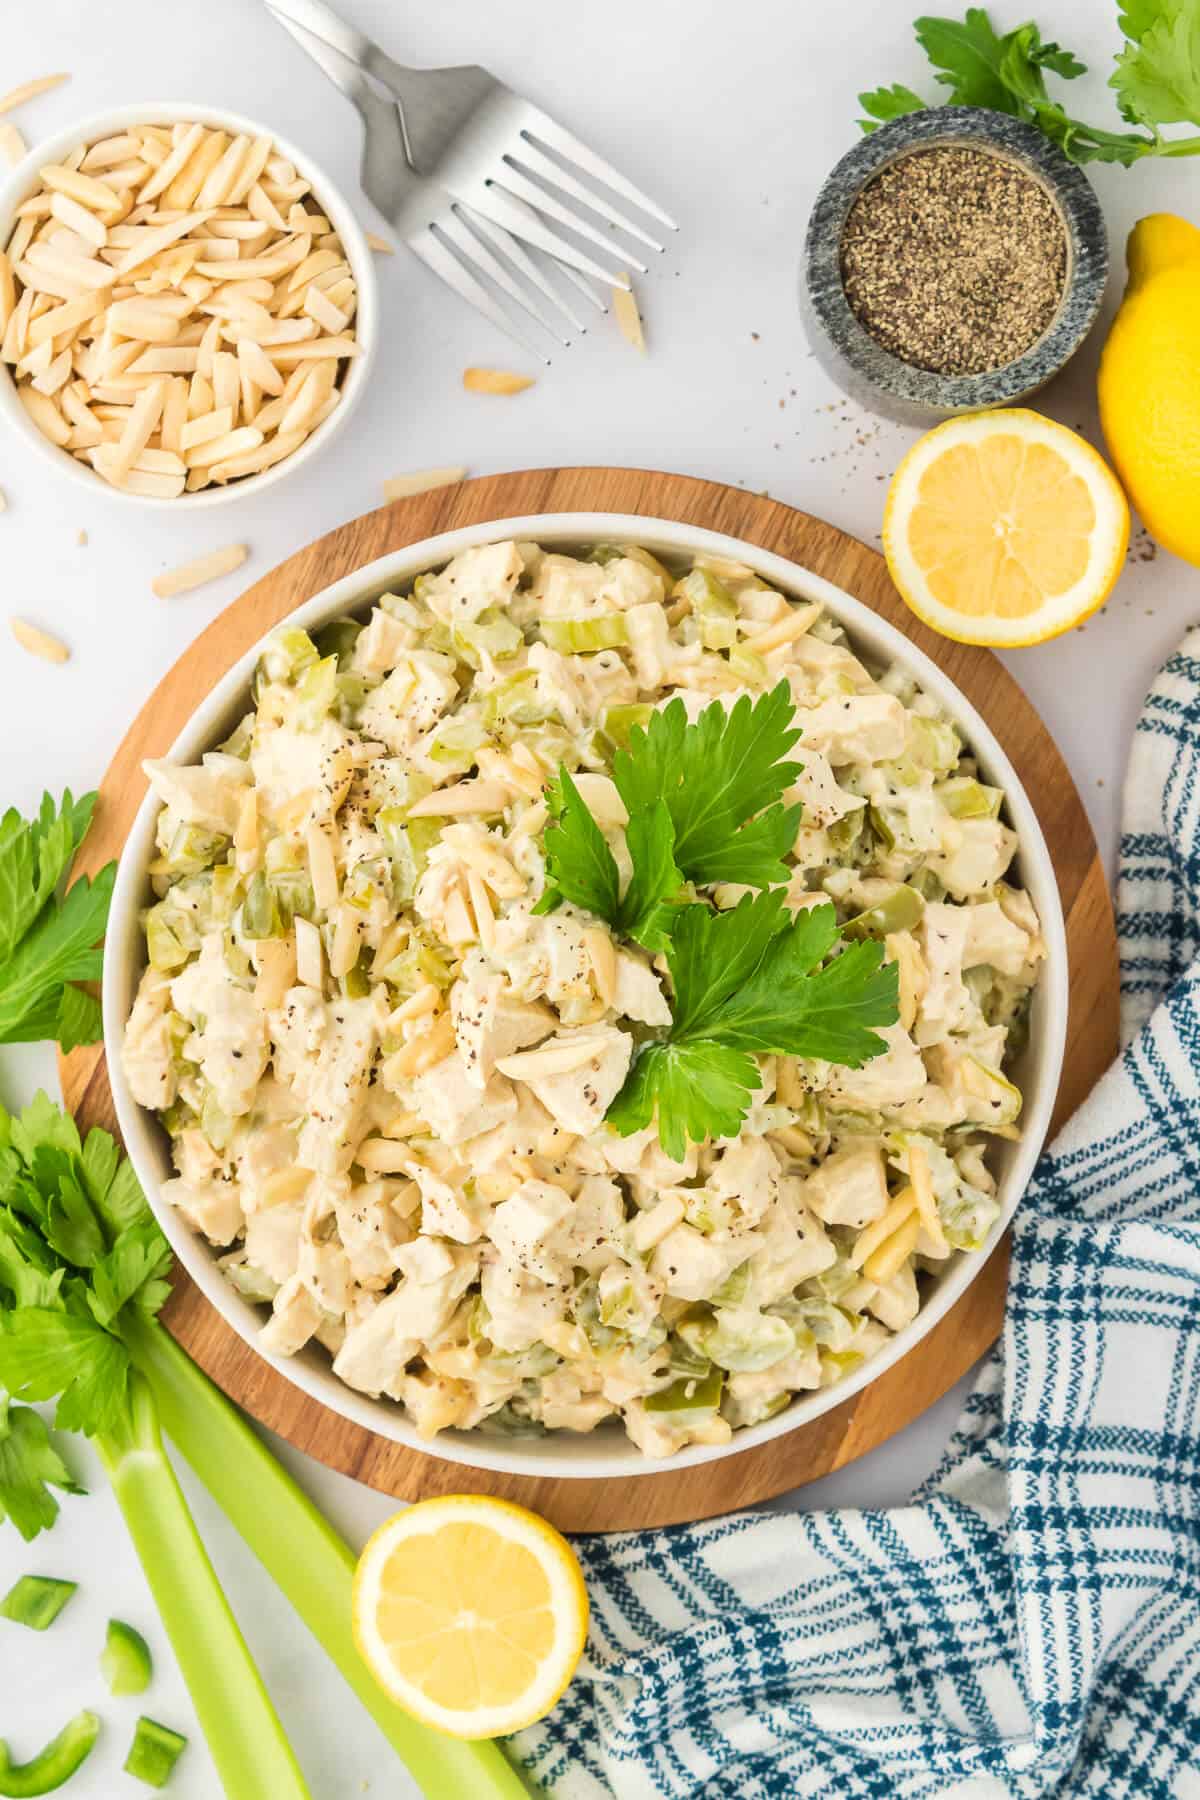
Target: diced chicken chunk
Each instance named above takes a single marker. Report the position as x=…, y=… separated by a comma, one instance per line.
x=849, y=1188
x=887, y=1080
x=230, y=1037
x=410, y=701
x=454, y=1107
x=214, y=1208
x=146, y=1046
x=579, y=1097
x=854, y=728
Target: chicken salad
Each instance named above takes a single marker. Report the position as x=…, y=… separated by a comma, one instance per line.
x=395, y=1056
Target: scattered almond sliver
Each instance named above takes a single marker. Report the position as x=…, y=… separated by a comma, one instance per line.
x=39, y=643
x=3, y=501
x=375, y=242
x=421, y=481
x=495, y=381
x=29, y=90
x=625, y=311
x=164, y=276
x=13, y=147
x=194, y=574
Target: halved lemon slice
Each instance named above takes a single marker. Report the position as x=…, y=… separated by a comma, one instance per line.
x=471, y=1613
x=1004, y=528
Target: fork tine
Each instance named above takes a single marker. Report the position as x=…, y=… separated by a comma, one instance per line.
x=472, y=249
x=533, y=157
x=508, y=245
x=511, y=177
x=550, y=132
x=497, y=204
x=436, y=257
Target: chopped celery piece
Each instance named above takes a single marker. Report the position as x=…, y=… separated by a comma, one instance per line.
x=732, y=1290
x=192, y=850
x=514, y=701
x=1002, y=1099
x=747, y=1342
x=572, y=637
x=350, y=690
x=928, y=884
x=966, y=798
x=901, y=911
x=356, y=982
x=316, y=692
x=36, y=1601
x=749, y=667
x=260, y=911
x=338, y=638
x=493, y=634
x=287, y=655
x=933, y=743
x=154, y=1752
x=846, y=832
x=226, y=892
x=616, y=723
x=240, y=741
x=713, y=606
x=53, y=1765
x=397, y=788
x=125, y=1661
x=215, y=1123
x=398, y=606
x=293, y=893
x=691, y=1393
x=616, y=1308
x=456, y=741
x=162, y=945
x=251, y=1282
x=606, y=553
x=685, y=1360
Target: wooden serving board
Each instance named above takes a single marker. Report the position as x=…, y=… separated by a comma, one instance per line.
x=898, y=1397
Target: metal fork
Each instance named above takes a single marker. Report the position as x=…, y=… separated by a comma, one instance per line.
x=497, y=153
x=456, y=245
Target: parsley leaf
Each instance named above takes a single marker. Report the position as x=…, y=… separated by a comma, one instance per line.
x=644, y=912
x=580, y=867
x=720, y=779
x=749, y=981
x=884, y=103
x=1157, y=77
x=29, y=1467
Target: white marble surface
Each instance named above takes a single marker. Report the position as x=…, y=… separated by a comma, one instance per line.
x=733, y=128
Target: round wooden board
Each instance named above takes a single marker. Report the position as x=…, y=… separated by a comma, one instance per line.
x=932, y=1366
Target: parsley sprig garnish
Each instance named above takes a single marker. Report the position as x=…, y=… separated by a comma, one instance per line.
x=705, y=806
x=1156, y=79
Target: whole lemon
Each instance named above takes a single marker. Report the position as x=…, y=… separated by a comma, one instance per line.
x=1149, y=382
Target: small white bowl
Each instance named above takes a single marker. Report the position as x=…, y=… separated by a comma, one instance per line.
x=606, y=1451
x=25, y=180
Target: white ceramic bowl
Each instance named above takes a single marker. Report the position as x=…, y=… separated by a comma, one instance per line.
x=606, y=1451
x=25, y=180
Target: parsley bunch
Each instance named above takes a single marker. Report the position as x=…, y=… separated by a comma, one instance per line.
x=705, y=805
x=1156, y=79
x=48, y=944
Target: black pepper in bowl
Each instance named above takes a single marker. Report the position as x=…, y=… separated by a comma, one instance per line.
x=954, y=260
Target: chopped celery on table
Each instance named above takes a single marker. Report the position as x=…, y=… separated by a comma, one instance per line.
x=36, y=1601
x=53, y=1765
x=154, y=1752
x=125, y=1661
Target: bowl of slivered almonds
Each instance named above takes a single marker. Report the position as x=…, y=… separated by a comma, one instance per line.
x=187, y=305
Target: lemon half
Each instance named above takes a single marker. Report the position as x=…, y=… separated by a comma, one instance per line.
x=471, y=1613
x=1004, y=528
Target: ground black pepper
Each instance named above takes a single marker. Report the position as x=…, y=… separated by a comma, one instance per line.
x=954, y=260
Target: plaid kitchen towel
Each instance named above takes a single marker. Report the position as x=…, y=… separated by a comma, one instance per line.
x=1030, y=1624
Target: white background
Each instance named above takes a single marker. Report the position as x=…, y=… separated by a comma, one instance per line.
x=731, y=116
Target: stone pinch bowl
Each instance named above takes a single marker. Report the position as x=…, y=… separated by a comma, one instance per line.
x=871, y=374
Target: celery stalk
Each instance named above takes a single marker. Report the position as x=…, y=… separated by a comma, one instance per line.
x=252, y=1754
x=305, y=1557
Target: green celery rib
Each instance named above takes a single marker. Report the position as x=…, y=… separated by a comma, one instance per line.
x=305, y=1557
x=253, y=1757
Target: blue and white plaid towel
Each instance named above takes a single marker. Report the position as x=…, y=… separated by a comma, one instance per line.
x=1030, y=1624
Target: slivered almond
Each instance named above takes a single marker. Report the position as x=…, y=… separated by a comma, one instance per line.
x=893, y=1253
x=463, y=797
x=625, y=311
x=276, y=962
x=310, y=956
x=13, y=147
x=495, y=381
x=421, y=481
x=375, y=242
x=481, y=906
x=426, y=999
x=903, y=1207
x=208, y=426
x=383, y=1156
x=784, y=631
x=927, y=1206
x=45, y=415
x=204, y=568
x=285, y=1184
x=603, y=958
x=558, y=1056
x=421, y=1053
x=321, y=867
x=39, y=643
x=29, y=90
